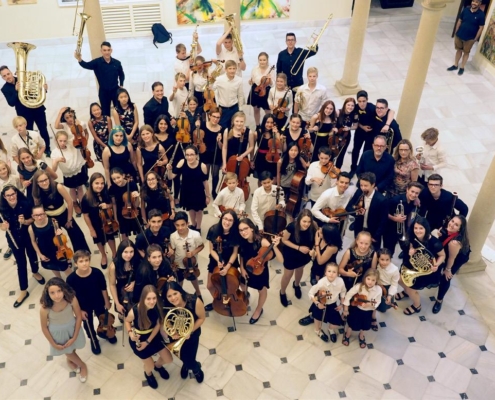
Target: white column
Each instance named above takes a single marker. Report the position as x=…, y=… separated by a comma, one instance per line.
x=94, y=26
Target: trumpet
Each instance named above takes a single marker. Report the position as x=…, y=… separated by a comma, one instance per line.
x=311, y=48
x=236, y=37
x=401, y=226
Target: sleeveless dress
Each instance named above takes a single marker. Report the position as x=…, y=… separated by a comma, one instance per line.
x=149, y=157
x=250, y=250
x=94, y=216
x=101, y=130
x=319, y=269
x=192, y=193
x=321, y=138
x=210, y=140
x=233, y=144
x=365, y=264
x=44, y=238
x=61, y=326
x=122, y=161
x=260, y=163
x=155, y=199
x=126, y=118
x=228, y=244
x=156, y=344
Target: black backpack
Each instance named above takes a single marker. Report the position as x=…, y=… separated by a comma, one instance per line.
x=160, y=34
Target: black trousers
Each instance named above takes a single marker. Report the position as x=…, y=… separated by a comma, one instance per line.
x=38, y=116
x=106, y=98
x=227, y=114
x=341, y=156
x=76, y=236
x=444, y=286
x=188, y=352
x=89, y=325
x=390, y=239
x=21, y=255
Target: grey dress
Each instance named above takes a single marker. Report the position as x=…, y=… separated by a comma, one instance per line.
x=61, y=326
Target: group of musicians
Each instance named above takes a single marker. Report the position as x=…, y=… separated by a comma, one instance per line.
x=300, y=211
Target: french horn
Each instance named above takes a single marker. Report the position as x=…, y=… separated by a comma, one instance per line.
x=178, y=321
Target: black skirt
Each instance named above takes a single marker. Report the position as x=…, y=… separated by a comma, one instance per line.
x=260, y=281
x=332, y=316
x=154, y=347
x=359, y=320
x=77, y=180
x=258, y=101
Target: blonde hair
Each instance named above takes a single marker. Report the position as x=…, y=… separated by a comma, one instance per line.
x=360, y=234
x=430, y=134
x=230, y=63
x=370, y=272
x=312, y=70
x=237, y=114
x=9, y=171
x=179, y=75
x=18, y=120
x=61, y=133
x=281, y=75
x=230, y=175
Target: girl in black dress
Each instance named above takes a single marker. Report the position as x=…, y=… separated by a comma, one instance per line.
x=420, y=238
x=193, y=112
x=118, y=154
x=195, y=192
x=126, y=115
x=455, y=243
x=122, y=277
x=155, y=195
x=322, y=125
x=100, y=126
x=237, y=140
x=294, y=132
x=27, y=167
x=250, y=244
x=254, y=99
x=143, y=326
x=328, y=243
x=149, y=152
x=225, y=236
x=177, y=297
x=212, y=157
x=15, y=210
x=96, y=199
x=268, y=130
x=347, y=121
x=298, y=239
x=290, y=163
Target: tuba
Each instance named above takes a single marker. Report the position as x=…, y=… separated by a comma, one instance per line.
x=84, y=19
x=32, y=93
x=178, y=321
x=236, y=38
x=422, y=261
x=389, y=136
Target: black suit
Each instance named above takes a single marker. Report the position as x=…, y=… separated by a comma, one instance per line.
x=377, y=216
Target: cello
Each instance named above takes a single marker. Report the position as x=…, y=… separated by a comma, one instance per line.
x=240, y=168
x=275, y=220
x=293, y=203
x=228, y=299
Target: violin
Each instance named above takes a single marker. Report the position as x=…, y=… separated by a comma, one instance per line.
x=274, y=149
x=256, y=265
x=105, y=327
x=275, y=221
x=80, y=142
x=339, y=213
x=361, y=300
x=282, y=103
x=166, y=195
x=331, y=170
x=323, y=295
x=191, y=265
x=130, y=209
x=209, y=99
x=110, y=224
x=64, y=253
x=241, y=168
x=126, y=296
x=293, y=203
x=352, y=267
x=183, y=134
x=260, y=90
x=198, y=138
x=228, y=299
x=360, y=202
x=393, y=304
x=206, y=64
x=305, y=145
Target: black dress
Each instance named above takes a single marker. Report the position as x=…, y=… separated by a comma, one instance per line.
x=234, y=142
x=361, y=261
x=192, y=193
x=156, y=200
x=210, y=140
x=126, y=226
x=44, y=238
x=293, y=258
x=319, y=269
x=247, y=251
x=149, y=157
x=156, y=343
x=345, y=120
x=101, y=130
x=229, y=241
x=260, y=163
x=122, y=161
x=94, y=216
x=322, y=140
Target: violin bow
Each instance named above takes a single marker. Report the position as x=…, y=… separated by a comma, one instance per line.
x=157, y=161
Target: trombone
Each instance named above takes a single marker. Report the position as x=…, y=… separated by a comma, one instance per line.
x=311, y=48
x=84, y=19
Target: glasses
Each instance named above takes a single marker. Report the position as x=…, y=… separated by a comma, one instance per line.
x=380, y=108
x=434, y=184
x=44, y=180
x=39, y=215
x=10, y=195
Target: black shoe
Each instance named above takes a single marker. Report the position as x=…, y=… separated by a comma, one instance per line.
x=461, y=71
x=351, y=227
x=40, y=281
x=333, y=337
x=163, y=372
x=283, y=299
x=104, y=266
x=306, y=320
x=198, y=373
x=112, y=340
x=452, y=68
x=184, y=372
x=209, y=307
x=152, y=383
x=323, y=336
x=48, y=153
x=7, y=254
x=401, y=255
x=19, y=303
x=313, y=281
x=297, y=290
x=253, y=321
x=95, y=348
x=437, y=307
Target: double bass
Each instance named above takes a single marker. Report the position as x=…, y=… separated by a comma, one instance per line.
x=293, y=203
x=240, y=168
x=275, y=221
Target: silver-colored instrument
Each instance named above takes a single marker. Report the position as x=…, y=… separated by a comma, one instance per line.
x=178, y=321
x=236, y=37
x=422, y=261
x=419, y=154
x=401, y=226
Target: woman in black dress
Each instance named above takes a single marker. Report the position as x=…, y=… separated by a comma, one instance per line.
x=155, y=195
x=322, y=125
x=328, y=243
x=149, y=152
x=268, y=130
x=455, y=243
x=290, y=163
x=143, y=326
x=100, y=126
x=126, y=115
x=118, y=154
x=96, y=199
x=420, y=239
x=295, y=132
x=212, y=157
x=298, y=239
x=347, y=121
x=195, y=192
x=27, y=167
x=177, y=297
x=250, y=244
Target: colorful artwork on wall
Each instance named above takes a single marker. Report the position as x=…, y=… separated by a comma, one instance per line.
x=263, y=9
x=488, y=46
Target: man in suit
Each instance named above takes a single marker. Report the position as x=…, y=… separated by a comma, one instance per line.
x=156, y=106
x=373, y=216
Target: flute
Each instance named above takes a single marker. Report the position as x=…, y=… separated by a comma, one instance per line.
x=10, y=234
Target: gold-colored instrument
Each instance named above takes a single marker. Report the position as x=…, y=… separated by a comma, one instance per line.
x=138, y=342
x=84, y=19
x=194, y=46
x=236, y=37
x=178, y=321
x=32, y=92
x=312, y=47
x=401, y=226
x=301, y=100
x=213, y=76
x=422, y=261
x=389, y=136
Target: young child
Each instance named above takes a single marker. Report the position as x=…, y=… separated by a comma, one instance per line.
x=309, y=97
x=90, y=285
x=179, y=94
x=389, y=279
x=183, y=60
x=324, y=308
x=359, y=316
x=230, y=197
x=31, y=140
x=264, y=199
x=61, y=319
x=318, y=180
x=280, y=93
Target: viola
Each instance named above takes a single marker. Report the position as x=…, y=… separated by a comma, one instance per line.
x=282, y=103
x=228, y=299
x=275, y=221
x=209, y=99
x=241, y=168
x=293, y=203
x=191, y=265
x=183, y=134
x=240, y=214
x=206, y=64
x=256, y=265
x=198, y=138
x=105, y=327
x=109, y=223
x=339, y=213
x=305, y=145
x=260, y=90
x=130, y=209
x=126, y=296
x=323, y=295
x=361, y=300
x=64, y=253
x=274, y=150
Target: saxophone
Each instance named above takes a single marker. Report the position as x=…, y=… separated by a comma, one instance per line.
x=178, y=321
x=236, y=38
x=32, y=93
x=194, y=46
x=422, y=261
x=213, y=76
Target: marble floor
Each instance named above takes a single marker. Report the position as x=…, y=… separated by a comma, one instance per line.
x=425, y=356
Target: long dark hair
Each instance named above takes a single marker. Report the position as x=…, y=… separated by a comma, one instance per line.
x=162, y=117
x=4, y=205
x=286, y=159
x=263, y=123
x=117, y=103
x=92, y=117
x=331, y=235
x=297, y=225
x=120, y=262
x=217, y=229
x=52, y=189
x=425, y=224
x=145, y=189
x=91, y=196
x=187, y=297
x=462, y=237
x=322, y=115
x=144, y=321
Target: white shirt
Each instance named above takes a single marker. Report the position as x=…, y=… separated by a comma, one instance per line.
x=435, y=156
x=275, y=95
x=183, y=66
x=74, y=160
x=229, y=55
x=332, y=199
x=257, y=74
x=336, y=289
x=33, y=141
x=13, y=180
x=178, y=243
x=313, y=99
x=367, y=203
x=375, y=293
x=70, y=136
x=180, y=97
x=389, y=276
x=228, y=199
x=264, y=202
x=229, y=92
x=314, y=171
x=196, y=83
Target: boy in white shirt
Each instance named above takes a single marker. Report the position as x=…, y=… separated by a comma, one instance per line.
x=264, y=199
x=31, y=140
x=229, y=93
x=179, y=94
x=229, y=52
x=230, y=197
x=309, y=97
x=183, y=60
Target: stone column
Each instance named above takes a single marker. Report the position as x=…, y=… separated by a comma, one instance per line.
x=420, y=60
x=94, y=27
x=349, y=83
x=480, y=222
x=234, y=7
